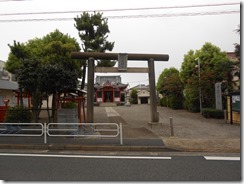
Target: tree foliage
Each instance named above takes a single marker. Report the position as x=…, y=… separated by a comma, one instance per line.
x=171, y=88
x=133, y=96
x=93, y=32
x=236, y=71
x=214, y=67
x=28, y=79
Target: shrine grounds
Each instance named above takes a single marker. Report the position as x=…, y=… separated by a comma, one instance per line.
x=191, y=133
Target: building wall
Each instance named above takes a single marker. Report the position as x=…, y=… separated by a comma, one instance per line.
x=142, y=92
x=7, y=95
x=141, y=95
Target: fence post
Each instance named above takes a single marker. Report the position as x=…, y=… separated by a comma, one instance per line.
x=121, y=137
x=45, y=133
x=171, y=127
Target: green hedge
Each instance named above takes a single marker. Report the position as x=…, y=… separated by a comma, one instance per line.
x=213, y=113
x=172, y=102
x=70, y=105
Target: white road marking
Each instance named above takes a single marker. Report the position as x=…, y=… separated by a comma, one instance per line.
x=85, y=156
x=222, y=158
x=111, y=112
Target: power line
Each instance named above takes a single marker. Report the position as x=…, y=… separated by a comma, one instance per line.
x=174, y=14
x=129, y=16
x=11, y=0
x=117, y=10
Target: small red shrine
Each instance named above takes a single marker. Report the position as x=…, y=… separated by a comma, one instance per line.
x=109, y=89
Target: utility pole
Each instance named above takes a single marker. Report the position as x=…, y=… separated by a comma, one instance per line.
x=199, y=82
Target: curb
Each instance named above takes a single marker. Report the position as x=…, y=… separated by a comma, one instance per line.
x=88, y=147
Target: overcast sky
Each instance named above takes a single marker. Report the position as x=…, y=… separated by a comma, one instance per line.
x=179, y=25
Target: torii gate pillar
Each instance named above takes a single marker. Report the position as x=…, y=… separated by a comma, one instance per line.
x=153, y=100
x=90, y=90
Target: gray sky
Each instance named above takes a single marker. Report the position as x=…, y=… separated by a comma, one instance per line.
x=170, y=32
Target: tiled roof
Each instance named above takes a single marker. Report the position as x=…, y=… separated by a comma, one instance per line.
x=113, y=84
x=9, y=85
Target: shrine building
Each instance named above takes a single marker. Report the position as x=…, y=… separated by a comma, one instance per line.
x=109, y=89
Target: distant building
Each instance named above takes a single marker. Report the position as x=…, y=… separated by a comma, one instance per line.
x=7, y=86
x=143, y=93
x=4, y=74
x=109, y=89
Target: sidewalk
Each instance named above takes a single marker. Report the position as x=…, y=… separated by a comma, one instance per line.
x=192, y=132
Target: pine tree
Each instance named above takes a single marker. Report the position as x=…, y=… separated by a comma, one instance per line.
x=93, y=31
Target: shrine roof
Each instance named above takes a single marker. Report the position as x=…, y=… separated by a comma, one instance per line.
x=110, y=84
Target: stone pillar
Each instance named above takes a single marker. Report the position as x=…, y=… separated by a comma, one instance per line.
x=90, y=90
x=153, y=100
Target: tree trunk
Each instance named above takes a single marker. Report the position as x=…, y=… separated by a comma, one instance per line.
x=36, y=102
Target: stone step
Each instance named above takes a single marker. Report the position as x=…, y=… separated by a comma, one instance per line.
x=108, y=104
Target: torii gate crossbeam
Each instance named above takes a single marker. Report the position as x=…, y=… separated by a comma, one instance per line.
x=92, y=56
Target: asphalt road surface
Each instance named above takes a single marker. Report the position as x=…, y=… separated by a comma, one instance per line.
x=57, y=167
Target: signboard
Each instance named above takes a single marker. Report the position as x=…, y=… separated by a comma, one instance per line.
x=218, y=96
x=236, y=101
x=122, y=61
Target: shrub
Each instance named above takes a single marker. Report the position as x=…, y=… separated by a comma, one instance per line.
x=18, y=114
x=70, y=105
x=163, y=102
x=175, y=102
x=213, y=113
x=172, y=101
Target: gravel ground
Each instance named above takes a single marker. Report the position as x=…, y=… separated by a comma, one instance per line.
x=185, y=124
x=192, y=132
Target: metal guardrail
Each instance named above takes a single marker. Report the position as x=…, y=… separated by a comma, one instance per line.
x=103, y=130
x=21, y=129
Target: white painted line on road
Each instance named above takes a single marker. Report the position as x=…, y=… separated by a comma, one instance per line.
x=111, y=112
x=222, y=158
x=84, y=156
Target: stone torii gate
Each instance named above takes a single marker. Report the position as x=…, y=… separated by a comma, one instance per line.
x=122, y=67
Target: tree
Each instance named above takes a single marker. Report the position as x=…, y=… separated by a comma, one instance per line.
x=17, y=55
x=214, y=67
x=54, y=79
x=46, y=59
x=56, y=51
x=133, y=96
x=93, y=31
x=28, y=79
x=237, y=66
x=171, y=88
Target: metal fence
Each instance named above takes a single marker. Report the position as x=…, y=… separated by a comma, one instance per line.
x=21, y=129
x=100, y=130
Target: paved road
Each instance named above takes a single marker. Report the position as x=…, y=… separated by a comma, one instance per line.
x=57, y=167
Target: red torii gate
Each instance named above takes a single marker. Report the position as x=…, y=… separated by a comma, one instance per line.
x=122, y=67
